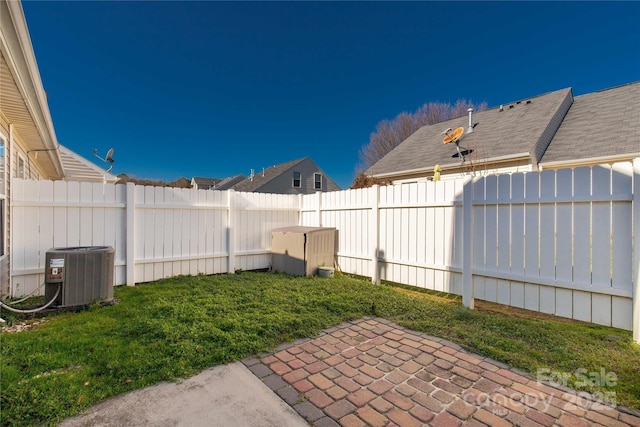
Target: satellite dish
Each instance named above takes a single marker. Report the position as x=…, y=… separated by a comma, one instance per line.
x=108, y=157
x=452, y=135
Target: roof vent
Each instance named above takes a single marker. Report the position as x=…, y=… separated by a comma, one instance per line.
x=470, y=128
x=501, y=107
x=529, y=102
x=251, y=175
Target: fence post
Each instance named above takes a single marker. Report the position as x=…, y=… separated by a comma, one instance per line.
x=231, y=241
x=467, y=243
x=374, y=232
x=635, y=326
x=300, y=208
x=319, y=208
x=131, y=234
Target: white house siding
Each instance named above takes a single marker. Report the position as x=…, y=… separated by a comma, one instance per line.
x=14, y=150
x=32, y=169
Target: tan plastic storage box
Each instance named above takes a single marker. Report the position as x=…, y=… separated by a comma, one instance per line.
x=301, y=250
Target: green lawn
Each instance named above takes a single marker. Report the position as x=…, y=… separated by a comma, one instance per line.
x=175, y=328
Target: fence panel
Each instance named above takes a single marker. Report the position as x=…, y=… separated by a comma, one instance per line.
x=571, y=229
x=601, y=234
x=564, y=226
x=257, y=214
x=621, y=244
x=61, y=214
x=417, y=237
x=557, y=242
x=350, y=213
x=176, y=231
x=582, y=225
x=517, y=224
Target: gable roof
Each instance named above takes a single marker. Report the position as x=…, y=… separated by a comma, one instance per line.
x=77, y=168
x=601, y=124
x=521, y=130
x=228, y=183
x=204, y=183
x=259, y=179
x=24, y=101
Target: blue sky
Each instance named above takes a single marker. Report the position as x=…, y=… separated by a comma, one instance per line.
x=216, y=88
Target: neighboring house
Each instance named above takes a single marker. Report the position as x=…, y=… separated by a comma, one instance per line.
x=28, y=145
x=300, y=176
x=546, y=131
x=214, y=183
x=228, y=183
x=203, y=183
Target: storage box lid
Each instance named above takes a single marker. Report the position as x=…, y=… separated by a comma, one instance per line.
x=300, y=229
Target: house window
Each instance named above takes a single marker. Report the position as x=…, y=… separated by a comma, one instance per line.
x=297, y=179
x=20, y=168
x=317, y=178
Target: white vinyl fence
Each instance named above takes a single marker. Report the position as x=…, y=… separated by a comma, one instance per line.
x=156, y=232
x=558, y=242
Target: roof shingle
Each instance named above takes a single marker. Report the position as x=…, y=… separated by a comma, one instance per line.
x=205, y=183
x=515, y=131
x=259, y=179
x=599, y=124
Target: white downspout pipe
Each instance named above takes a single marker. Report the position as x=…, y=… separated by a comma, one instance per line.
x=8, y=165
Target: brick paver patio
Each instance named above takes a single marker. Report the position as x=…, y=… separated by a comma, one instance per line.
x=372, y=372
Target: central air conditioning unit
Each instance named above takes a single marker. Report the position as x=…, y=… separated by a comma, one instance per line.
x=85, y=274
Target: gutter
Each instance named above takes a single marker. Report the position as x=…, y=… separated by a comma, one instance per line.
x=35, y=97
x=420, y=171
x=588, y=161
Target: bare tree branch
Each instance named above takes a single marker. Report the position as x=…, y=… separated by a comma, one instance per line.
x=390, y=133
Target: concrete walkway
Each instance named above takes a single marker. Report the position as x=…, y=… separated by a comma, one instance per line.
x=373, y=372
x=224, y=396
